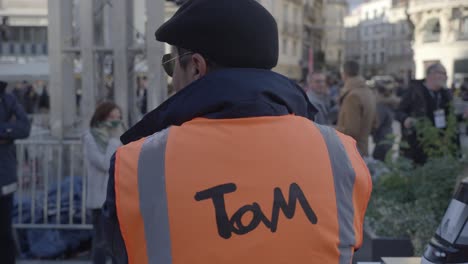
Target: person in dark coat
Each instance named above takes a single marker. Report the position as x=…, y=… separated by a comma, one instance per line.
x=18, y=92
x=14, y=125
x=425, y=98
x=44, y=98
x=30, y=99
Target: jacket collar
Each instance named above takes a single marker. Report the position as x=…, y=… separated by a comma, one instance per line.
x=354, y=83
x=225, y=94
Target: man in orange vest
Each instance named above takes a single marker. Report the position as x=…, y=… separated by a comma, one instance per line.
x=232, y=168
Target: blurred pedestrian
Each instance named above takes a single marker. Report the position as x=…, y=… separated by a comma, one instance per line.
x=400, y=87
x=14, y=125
x=357, y=114
x=464, y=90
x=44, y=98
x=78, y=95
x=142, y=95
x=30, y=99
x=334, y=92
x=19, y=91
x=100, y=142
x=317, y=92
x=382, y=133
x=428, y=98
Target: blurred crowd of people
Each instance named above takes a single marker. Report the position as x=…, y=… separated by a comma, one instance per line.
x=354, y=106
x=345, y=100
x=34, y=97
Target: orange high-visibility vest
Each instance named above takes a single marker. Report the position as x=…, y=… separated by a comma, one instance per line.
x=251, y=190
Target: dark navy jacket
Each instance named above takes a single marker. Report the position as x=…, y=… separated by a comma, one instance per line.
x=14, y=124
x=223, y=94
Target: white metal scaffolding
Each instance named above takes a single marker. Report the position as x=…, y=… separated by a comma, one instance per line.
x=89, y=30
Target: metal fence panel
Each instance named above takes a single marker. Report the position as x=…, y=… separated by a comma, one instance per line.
x=51, y=185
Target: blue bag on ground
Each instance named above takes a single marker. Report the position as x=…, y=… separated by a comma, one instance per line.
x=52, y=243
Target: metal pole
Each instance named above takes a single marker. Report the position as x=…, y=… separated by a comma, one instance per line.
x=157, y=80
x=88, y=103
x=121, y=36
x=61, y=80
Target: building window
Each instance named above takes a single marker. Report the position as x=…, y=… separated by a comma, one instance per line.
x=366, y=59
x=294, y=48
x=464, y=28
x=40, y=34
x=27, y=34
x=375, y=43
x=382, y=57
x=436, y=28
x=15, y=33
x=33, y=49
x=285, y=46
x=382, y=42
x=296, y=15
x=373, y=58
x=432, y=30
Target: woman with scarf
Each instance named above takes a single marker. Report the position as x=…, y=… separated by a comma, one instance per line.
x=99, y=144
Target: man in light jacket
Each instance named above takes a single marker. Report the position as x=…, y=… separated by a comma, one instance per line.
x=357, y=114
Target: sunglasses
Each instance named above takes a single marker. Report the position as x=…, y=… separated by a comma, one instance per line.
x=168, y=62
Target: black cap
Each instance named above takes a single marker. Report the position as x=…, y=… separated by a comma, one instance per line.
x=232, y=33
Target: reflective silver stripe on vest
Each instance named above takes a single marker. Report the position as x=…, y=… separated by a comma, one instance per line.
x=343, y=177
x=153, y=198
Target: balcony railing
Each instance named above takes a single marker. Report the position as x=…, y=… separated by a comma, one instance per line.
x=23, y=49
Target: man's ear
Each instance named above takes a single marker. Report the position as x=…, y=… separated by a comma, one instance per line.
x=200, y=67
